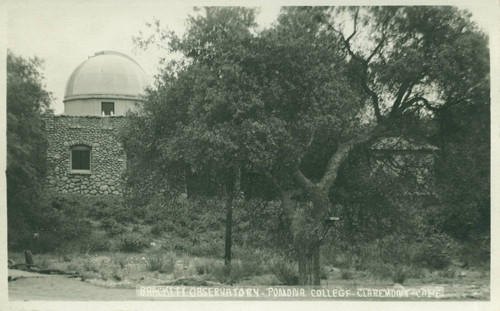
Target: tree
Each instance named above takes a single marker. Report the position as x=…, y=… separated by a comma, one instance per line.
x=27, y=99
x=292, y=102
x=193, y=109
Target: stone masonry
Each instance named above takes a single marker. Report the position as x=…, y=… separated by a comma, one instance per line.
x=107, y=158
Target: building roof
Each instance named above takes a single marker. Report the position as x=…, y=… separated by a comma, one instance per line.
x=107, y=74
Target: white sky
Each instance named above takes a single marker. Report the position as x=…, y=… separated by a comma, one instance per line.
x=66, y=33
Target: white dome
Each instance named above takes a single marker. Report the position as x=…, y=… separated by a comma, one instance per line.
x=107, y=74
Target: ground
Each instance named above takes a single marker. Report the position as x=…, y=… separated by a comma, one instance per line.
x=115, y=277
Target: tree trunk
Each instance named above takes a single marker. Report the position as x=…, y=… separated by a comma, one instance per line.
x=308, y=229
x=309, y=265
x=229, y=228
x=232, y=188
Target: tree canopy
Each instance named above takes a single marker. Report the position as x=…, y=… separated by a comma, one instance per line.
x=27, y=99
x=290, y=104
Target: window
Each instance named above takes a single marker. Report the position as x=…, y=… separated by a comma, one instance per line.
x=107, y=108
x=80, y=158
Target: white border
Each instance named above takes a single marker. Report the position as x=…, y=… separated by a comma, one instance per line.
x=493, y=304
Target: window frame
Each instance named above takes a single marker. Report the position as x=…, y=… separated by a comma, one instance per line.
x=112, y=111
x=80, y=148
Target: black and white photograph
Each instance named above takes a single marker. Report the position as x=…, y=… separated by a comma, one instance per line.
x=240, y=155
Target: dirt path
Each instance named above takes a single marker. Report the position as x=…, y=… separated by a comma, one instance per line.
x=56, y=287
x=27, y=286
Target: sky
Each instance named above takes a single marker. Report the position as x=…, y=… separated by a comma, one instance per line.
x=66, y=33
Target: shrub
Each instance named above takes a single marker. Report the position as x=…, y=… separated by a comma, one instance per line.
x=161, y=263
x=211, y=248
x=60, y=224
x=227, y=274
x=112, y=226
x=90, y=266
x=96, y=243
x=204, y=267
x=381, y=270
x=156, y=230
x=43, y=263
x=251, y=267
x=400, y=274
x=110, y=206
x=132, y=242
x=448, y=273
x=323, y=273
x=435, y=252
x=346, y=274
x=159, y=227
x=120, y=260
x=285, y=271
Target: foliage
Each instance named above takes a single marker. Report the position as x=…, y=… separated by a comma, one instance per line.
x=285, y=271
x=436, y=252
x=132, y=242
x=204, y=266
x=109, y=206
x=296, y=105
x=27, y=100
x=227, y=274
x=463, y=171
x=346, y=274
x=120, y=260
x=400, y=274
x=89, y=265
x=96, y=243
x=113, y=227
x=55, y=226
x=157, y=261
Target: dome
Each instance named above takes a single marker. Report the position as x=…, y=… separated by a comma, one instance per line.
x=107, y=74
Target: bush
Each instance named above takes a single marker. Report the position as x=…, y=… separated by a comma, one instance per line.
x=96, y=243
x=448, y=273
x=110, y=206
x=251, y=267
x=120, y=260
x=400, y=274
x=90, y=266
x=285, y=271
x=346, y=275
x=160, y=227
x=227, y=274
x=161, y=263
x=112, y=226
x=435, y=252
x=211, y=248
x=60, y=224
x=204, y=267
x=132, y=242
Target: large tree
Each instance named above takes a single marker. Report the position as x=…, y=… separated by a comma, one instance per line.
x=292, y=102
x=27, y=99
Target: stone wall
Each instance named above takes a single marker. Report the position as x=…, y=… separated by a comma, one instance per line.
x=107, y=158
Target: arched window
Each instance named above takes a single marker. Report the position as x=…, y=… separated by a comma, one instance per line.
x=80, y=158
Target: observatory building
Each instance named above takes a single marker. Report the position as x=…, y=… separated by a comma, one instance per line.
x=84, y=153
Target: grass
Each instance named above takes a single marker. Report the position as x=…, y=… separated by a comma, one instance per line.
x=120, y=259
x=285, y=271
x=163, y=263
x=158, y=268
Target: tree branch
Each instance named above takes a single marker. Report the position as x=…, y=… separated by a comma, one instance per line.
x=379, y=45
x=302, y=180
x=355, y=27
x=374, y=98
x=334, y=163
x=417, y=99
x=308, y=145
x=399, y=98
